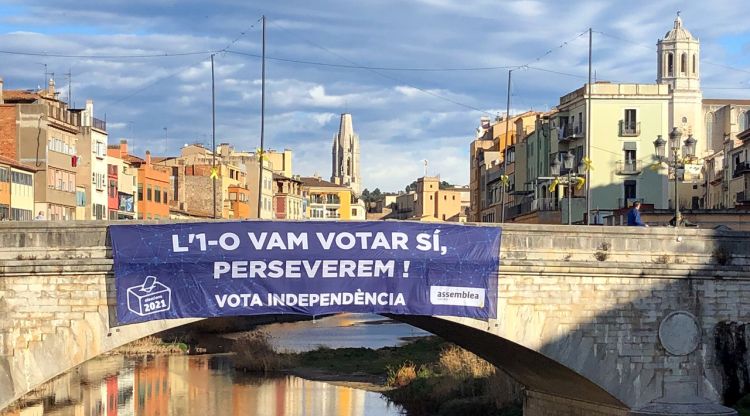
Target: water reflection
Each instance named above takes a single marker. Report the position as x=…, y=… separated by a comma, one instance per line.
x=341, y=331
x=191, y=386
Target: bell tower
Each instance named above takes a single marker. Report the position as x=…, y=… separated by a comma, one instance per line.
x=678, y=66
x=678, y=59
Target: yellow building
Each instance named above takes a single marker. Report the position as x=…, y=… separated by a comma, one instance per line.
x=431, y=203
x=16, y=190
x=328, y=201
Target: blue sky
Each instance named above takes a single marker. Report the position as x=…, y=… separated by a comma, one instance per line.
x=402, y=117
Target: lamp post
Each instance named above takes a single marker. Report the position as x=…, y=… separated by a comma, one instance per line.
x=568, y=165
x=675, y=162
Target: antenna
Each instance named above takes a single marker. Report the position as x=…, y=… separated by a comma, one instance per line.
x=69, y=75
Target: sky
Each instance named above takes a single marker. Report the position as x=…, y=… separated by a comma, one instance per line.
x=416, y=75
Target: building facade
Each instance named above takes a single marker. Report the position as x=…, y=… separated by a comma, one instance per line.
x=287, y=198
x=16, y=190
x=93, y=174
x=327, y=200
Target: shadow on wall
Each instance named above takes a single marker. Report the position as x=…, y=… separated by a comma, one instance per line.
x=630, y=335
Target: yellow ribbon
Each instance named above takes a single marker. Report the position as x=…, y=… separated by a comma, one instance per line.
x=504, y=179
x=554, y=183
x=655, y=167
x=214, y=173
x=587, y=166
x=579, y=183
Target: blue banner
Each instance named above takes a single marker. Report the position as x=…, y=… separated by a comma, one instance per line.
x=311, y=268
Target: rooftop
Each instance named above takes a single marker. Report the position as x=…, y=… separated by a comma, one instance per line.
x=16, y=164
x=311, y=181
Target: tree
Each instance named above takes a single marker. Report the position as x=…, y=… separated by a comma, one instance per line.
x=365, y=195
x=445, y=185
x=375, y=195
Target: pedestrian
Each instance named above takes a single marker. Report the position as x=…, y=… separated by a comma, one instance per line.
x=40, y=216
x=634, y=216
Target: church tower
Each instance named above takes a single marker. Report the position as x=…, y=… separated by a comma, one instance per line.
x=678, y=65
x=679, y=59
x=345, y=156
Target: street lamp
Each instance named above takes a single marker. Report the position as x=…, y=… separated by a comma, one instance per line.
x=675, y=162
x=568, y=161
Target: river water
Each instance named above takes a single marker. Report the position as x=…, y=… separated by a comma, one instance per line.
x=207, y=385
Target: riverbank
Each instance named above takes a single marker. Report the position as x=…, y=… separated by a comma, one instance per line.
x=427, y=376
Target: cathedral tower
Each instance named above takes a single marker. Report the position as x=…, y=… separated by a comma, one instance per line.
x=345, y=156
x=678, y=65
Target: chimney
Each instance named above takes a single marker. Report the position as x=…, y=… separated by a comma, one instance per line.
x=148, y=157
x=1, y=92
x=123, y=148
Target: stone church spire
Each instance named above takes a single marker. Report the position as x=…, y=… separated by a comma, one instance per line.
x=345, y=156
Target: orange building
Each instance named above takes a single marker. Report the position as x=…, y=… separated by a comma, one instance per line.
x=153, y=183
x=16, y=190
x=239, y=200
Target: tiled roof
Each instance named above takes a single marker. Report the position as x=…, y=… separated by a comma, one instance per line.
x=23, y=96
x=16, y=164
x=315, y=181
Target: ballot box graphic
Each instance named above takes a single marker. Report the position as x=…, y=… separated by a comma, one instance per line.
x=149, y=298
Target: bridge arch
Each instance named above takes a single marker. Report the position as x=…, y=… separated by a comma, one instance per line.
x=579, y=312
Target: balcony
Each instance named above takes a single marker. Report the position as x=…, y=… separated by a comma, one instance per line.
x=630, y=128
x=628, y=202
x=628, y=167
x=99, y=124
x=567, y=132
x=530, y=205
x=741, y=169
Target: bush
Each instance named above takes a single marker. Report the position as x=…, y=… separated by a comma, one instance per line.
x=253, y=352
x=403, y=376
x=456, y=362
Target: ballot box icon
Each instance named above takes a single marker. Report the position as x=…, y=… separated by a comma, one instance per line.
x=149, y=298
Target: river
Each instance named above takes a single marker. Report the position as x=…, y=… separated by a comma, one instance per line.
x=207, y=385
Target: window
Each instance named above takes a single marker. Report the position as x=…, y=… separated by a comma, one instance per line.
x=693, y=64
x=683, y=63
x=112, y=189
x=148, y=193
x=629, y=148
x=157, y=194
x=21, y=178
x=629, y=188
x=4, y=175
x=164, y=196
x=709, y=127
x=670, y=64
x=140, y=193
x=81, y=198
x=742, y=120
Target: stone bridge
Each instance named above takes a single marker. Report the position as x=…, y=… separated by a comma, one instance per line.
x=591, y=320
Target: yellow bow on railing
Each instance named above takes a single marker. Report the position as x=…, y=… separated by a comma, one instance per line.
x=580, y=182
x=656, y=166
x=587, y=166
x=504, y=179
x=554, y=184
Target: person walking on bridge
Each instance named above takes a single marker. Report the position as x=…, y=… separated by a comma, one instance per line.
x=634, y=216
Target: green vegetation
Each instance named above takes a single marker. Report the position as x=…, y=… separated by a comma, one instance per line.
x=743, y=406
x=369, y=361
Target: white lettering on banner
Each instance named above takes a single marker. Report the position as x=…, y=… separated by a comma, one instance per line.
x=295, y=269
x=457, y=296
x=359, y=298
x=361, y=240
